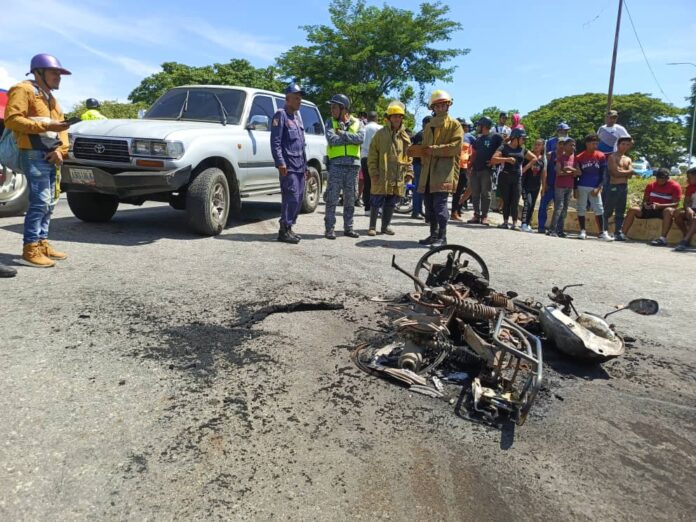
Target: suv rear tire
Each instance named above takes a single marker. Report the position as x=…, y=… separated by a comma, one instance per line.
x=208, y=202
x=310, y=198
x=92, y=207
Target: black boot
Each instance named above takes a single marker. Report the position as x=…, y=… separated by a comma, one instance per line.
x=441, y=239
x=330, y=234
x=284, y=236
x=387, y=214
x=7, y=271
x=432, y=237
x=372, y=230
x=351, y=233
x=292, y=233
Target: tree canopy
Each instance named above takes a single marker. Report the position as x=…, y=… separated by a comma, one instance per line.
x=111, y=109
x=654, y=125
x=235, y=72
x=369, y=53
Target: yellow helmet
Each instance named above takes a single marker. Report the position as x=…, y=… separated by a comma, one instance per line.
x=396, y=107
x=439, y=96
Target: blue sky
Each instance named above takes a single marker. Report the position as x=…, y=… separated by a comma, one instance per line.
x=523, y=54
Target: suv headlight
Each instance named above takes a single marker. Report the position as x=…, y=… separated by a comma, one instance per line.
x=71, y=141
x=157, y=148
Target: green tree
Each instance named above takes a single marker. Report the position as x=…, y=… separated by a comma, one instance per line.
x=654, y=125
x=111, y=109
x=235, y=72
x=370, y=52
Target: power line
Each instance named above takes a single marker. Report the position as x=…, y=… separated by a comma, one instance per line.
x=630, y=18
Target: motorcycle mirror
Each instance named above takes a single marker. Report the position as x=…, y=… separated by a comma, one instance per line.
x=639, y=306
x=644, y=306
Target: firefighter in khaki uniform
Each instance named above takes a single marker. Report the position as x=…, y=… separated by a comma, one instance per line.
x=442, y=145
x=389, y=168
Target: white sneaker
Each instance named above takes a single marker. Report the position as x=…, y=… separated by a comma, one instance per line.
x=604, y=236
x=583, y=235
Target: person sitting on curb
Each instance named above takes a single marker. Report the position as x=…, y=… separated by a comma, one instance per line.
x=389, y=167
x=660, y=200
x=685, y=218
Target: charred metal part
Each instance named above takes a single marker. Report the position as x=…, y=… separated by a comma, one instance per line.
x=500, y=300
x=411, y=357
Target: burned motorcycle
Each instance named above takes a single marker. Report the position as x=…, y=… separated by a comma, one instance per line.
x=588, y=336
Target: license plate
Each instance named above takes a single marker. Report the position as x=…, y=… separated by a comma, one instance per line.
x=82, y=176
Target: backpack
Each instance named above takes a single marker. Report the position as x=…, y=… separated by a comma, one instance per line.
x=9, y=152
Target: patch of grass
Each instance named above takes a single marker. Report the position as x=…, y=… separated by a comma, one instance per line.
x=636, y=187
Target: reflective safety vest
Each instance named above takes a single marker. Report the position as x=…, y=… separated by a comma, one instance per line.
x=92, y=114
x=346, y=149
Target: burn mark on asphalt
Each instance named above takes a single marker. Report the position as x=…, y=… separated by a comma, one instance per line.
x=298, y=306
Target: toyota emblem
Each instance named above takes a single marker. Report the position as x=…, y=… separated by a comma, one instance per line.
x=99, y=148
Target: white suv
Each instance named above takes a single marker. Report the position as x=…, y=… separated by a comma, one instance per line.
x=201, y=148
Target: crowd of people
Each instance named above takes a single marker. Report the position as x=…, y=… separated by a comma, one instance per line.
x=488, y=165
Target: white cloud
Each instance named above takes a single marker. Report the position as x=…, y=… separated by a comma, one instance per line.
x=239, y=42
x=7, y=79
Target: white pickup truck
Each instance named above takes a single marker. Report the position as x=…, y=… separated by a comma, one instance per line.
x=201, y=148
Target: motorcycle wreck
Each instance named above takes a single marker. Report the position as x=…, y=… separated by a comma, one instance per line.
x=454, y=329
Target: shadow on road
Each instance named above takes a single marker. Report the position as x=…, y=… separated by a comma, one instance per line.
x=141, y=226
x=566, y=366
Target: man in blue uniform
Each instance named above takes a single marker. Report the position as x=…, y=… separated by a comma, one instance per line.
x=288, y=149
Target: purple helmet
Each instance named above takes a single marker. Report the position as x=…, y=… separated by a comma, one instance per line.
x=46, y=61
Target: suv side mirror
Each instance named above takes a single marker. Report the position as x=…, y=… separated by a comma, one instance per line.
x=258, y=122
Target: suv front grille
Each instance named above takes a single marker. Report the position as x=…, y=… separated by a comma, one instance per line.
x=101, y=150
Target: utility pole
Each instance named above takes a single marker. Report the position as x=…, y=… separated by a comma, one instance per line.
x=613, y=57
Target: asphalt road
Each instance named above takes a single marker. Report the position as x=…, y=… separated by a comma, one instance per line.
x=138, y=380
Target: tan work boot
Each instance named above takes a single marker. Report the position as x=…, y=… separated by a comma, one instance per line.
x=50, y=252
x=33, y=255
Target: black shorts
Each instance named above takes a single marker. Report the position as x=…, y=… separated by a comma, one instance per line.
x=651, y=213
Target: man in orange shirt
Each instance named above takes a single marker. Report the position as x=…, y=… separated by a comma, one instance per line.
x=36, y=119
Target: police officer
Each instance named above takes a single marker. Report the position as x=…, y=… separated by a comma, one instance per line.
x=344, y=134
x=288, y=149
x=92, y=112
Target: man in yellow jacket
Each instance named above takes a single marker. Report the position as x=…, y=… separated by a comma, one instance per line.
x=388, y=167
x=442, y=144
x=36, y=119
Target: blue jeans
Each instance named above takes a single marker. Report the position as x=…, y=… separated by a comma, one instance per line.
x=546, y=198
x=41, y=178
x=417, y=196
x=560, y=208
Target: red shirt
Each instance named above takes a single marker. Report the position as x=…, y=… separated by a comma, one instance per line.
x=562, y=180
x=690, y=198
x=670, y=192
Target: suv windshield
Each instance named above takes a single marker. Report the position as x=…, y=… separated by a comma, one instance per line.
x=199, y=104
